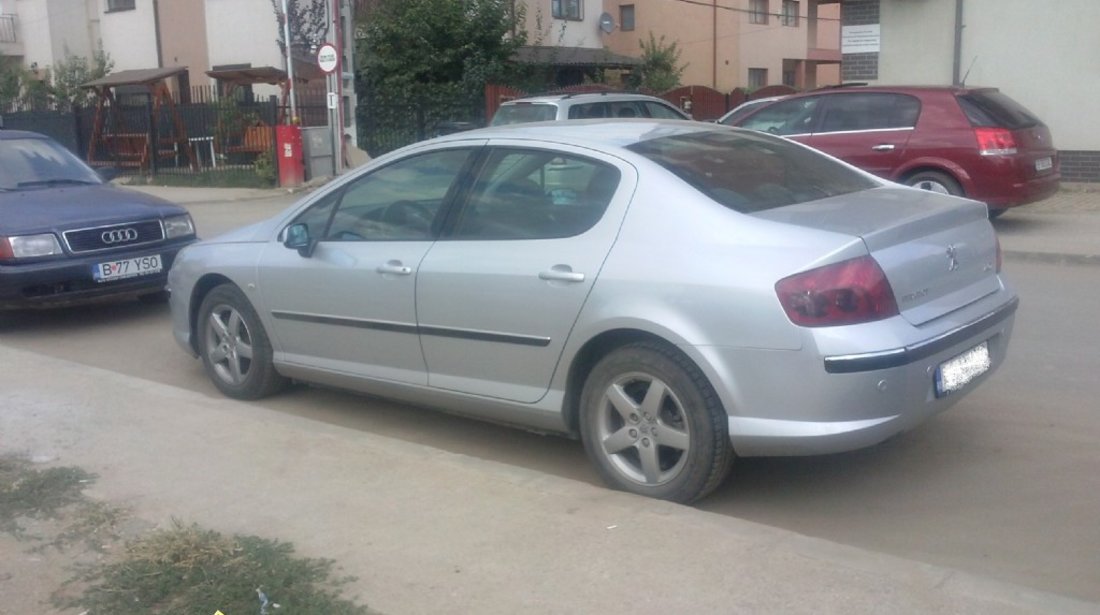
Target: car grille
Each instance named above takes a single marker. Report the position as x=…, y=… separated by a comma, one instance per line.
x=114, y=236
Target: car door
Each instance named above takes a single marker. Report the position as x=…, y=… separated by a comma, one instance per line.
x=869, y=130
x=349, y=307
x=497, y=296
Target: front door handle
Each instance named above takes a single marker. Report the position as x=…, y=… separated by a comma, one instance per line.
x=561, y=273
x=395, y=268
x=885, y=147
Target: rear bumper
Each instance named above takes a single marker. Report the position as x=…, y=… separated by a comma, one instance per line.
x=809, y=402
x=68, y=281
x=1022, y=193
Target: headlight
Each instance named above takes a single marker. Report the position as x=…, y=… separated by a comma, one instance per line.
x=178, y=226
x=29, y=246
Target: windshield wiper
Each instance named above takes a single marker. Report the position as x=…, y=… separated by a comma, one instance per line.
x=55, y=182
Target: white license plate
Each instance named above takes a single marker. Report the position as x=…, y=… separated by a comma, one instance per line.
x=956, y=373
x=127, y=268
x=1043, y=164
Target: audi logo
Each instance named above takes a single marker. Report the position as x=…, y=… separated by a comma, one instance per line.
x=121, y=235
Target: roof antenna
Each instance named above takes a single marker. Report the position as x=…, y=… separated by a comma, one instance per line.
x=963, y=82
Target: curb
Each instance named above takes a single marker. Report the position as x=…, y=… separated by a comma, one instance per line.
x=1052, y=258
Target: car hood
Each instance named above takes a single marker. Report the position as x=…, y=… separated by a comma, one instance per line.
x=938, y=252
x=69, y=207
x=257, y=232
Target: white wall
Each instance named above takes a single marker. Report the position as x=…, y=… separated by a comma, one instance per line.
x=546, y=31
x=242, y=32
x=1046, y=55
x=129, y=37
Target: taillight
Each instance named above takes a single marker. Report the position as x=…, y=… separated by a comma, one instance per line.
x=995, y=141
x=844, y=293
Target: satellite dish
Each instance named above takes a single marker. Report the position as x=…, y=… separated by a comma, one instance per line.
x=607, y=23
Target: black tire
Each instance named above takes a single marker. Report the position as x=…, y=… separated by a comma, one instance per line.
x=674, y=446
x=935, y=181
x=228, y=329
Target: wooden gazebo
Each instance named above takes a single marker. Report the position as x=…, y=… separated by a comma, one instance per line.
x=129, y=146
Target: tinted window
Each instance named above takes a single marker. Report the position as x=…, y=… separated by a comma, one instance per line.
x=846, y=112
x=588, y=111
x=742, y=110
x=534, y=194
x=992, y=109
x=748, y=173
x=662, y=112
x=523, y=113
x=786, y=117
x=396, y=202
x=36, y=163
x=626, y=109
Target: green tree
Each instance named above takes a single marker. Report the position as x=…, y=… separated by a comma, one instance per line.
x=661, y=69
x=70, y=73
x=11, y=85
x=421, y=62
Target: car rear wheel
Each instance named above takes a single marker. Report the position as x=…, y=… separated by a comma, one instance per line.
x=235, y=349
x=653, y=425
x=935, y=181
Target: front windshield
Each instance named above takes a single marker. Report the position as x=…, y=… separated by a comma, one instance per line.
x=35, y=163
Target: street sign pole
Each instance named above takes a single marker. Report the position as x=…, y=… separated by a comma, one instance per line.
x=289, y=66
x=328, y=60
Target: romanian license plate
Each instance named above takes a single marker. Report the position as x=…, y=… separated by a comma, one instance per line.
x=1044, y=164
x=956, y=373
x=127, y=268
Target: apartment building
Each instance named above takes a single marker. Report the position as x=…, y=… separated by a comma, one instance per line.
x=726, y=44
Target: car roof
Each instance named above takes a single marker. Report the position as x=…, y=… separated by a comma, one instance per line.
x=581, y=97
x=893, y=89
x=7, y=135
x=598, y=133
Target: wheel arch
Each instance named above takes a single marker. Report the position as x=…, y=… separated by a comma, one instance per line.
x=199, y=291
x=936, y=165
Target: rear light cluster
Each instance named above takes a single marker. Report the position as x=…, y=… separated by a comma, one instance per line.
x=845, y=293
x=995, y=141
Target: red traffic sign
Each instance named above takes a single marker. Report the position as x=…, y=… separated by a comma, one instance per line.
x=327, y=58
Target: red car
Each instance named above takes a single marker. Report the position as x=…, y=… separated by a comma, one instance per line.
x=972, y=142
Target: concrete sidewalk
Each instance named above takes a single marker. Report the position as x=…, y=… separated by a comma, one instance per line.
x=427, y=531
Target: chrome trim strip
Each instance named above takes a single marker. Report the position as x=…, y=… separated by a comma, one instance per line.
x=865, y=130
x=897, y=357
x=396, y=327
x=65, y=236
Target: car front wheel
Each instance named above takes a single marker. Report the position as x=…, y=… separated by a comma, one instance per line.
x=235, y=349
x=653, y=425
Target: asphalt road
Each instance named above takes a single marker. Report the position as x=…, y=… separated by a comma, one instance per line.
x=1003, y=485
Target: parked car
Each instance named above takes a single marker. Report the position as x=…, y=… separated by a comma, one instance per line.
x=972, y=142
x=599, y=105
x=733, y=115
x=675, y=293
x=67, y=235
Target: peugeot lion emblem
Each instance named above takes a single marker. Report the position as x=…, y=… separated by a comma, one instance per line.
x=118, y=235
x=952, y=258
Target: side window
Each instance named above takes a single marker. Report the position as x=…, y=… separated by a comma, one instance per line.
x=398, y=202
x=786, y=117
x=533, y=194
x=626, y=109
x=317, y=216
x=661, y=112
x=588, y=111
x=848, y=112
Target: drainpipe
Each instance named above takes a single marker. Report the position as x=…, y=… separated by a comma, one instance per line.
x=714, y=46
x=957, y=59
x=156, y=33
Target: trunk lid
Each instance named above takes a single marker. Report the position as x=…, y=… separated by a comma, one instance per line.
x=938, y=252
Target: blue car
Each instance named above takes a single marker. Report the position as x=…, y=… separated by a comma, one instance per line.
x=68, y=236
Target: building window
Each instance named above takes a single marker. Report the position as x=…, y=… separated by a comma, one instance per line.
x=626, y=17
x=567, y=9
x=758, y=77
x=120, y=5
x=790, y=13
x=789, y=78
x=758, y=11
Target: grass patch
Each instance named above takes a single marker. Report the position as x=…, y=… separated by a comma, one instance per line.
x=185, y=569
x=230, y=178
x=26, y=491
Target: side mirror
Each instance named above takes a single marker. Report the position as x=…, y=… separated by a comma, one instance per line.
x=297, y=238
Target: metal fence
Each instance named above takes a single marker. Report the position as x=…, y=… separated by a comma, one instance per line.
x=386, y=124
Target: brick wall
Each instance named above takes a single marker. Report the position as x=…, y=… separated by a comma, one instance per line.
x=858, y=66
x=1080, y=166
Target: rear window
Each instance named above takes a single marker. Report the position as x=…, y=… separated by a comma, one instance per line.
x=523, y=113
x=748, y=172
x=995, y=110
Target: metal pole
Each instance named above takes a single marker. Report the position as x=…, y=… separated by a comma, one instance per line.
x=956, y=78
x=289, y=65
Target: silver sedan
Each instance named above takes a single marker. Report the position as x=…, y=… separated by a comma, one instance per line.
x=676, y=294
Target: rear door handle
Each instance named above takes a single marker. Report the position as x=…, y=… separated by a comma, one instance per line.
x=885, y=147
x=395, y=268
x=561, y=273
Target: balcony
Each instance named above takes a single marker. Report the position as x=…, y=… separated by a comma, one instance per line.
x=9, y=39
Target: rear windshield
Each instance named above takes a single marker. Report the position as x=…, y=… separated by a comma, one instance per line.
x=995, y=110
x=524, y=112
x=750, y=172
